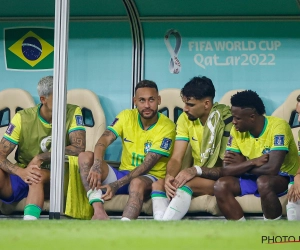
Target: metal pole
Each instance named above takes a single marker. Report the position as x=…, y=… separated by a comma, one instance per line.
x=59, y=107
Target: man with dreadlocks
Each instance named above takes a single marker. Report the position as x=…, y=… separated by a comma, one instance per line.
x=270, y=158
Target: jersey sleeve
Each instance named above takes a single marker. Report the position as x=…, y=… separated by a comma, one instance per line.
x=13, y=130
x=182, y=131
x=163, y=143
x=117, y=125
x=232, y=143
x=77, y=121
x=281, y=137
x=299, y=142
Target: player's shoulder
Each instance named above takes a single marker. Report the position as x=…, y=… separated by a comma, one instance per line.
x=274, y=121
x=128, y=113
x=163, y=119
x=72, y=107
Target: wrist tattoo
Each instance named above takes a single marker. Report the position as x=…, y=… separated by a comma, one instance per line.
x=211, y=173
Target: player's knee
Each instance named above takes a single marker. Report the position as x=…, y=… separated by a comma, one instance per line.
x=3, y=178
x=85, y=158
x=263, y=184
x=221, y=187
x=137, y=185
x=45, y=178
x=158, y=185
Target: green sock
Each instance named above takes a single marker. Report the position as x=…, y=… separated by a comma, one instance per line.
x=32, y=210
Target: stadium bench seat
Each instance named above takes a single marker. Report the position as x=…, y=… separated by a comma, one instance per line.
x=227, y=96
x=93, y=114
x=286, y=109
x=206, y=203
x=11, y=101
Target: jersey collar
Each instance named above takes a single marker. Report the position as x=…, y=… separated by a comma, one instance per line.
x=40, y=117
x=141, y=124
x=264, y=129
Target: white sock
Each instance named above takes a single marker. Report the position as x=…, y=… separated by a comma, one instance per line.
x=125, y=219
x=94, y=196
x=179, y=205
x=242, y=219
x=160, y=202
x=29, y=217
x=278, y=218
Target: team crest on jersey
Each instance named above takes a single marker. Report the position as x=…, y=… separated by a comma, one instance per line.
x=147, y=147
x=79, y=120
x=10, y=129
x=114, y=122
x=279, y=140
x=229, y=140
x=266, y=151
x=166, y=144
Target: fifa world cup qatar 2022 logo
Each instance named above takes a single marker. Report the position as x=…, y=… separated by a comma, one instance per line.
x=174, y=65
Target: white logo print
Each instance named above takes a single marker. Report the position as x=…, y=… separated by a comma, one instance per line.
x=175, y=65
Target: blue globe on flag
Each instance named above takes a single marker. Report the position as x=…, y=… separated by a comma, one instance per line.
x=31, y=48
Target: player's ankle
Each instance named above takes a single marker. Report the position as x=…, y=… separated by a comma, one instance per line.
x=32, y=212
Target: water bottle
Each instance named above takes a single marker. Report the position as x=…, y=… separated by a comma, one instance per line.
x=293, y=208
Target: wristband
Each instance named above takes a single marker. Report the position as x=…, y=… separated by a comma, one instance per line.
x=199, y=170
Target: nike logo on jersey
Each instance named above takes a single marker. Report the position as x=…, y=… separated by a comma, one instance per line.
x=194, y=139
x=125, y=139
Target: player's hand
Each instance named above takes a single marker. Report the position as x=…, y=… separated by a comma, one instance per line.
x=259, y=161
x=232, y=157
x=294, y=191
x=170, y=189
x=36, y=161
x=111, y=190
x=31, y=174
x=184, y=176
x=94, y=177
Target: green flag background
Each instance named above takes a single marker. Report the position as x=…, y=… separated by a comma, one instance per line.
x=29, y=48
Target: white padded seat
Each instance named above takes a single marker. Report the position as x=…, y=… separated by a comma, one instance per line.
x=227, y=96
x=14, y=99
x=87, y=99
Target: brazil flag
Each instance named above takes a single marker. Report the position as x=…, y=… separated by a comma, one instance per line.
x=29, y=48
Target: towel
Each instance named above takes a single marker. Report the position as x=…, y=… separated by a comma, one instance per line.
x=77, y=204
x=213, y=144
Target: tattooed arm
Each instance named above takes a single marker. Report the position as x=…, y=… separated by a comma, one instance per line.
x=150, y=160
x=77, y=139
x=6, y=147
x=78, y=142
x=233, y=169
x=94, y=176
x=29, y=174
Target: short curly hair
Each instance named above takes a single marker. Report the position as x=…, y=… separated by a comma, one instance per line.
x=198, y=88
x=248, y=99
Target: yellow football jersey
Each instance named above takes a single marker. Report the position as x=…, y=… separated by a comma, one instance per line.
x=276, y=135
x=137, y=142
x=190, y=131
x=14, y=129
x=299, y=142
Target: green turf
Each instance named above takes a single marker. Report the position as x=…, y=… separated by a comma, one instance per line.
x=144, y=234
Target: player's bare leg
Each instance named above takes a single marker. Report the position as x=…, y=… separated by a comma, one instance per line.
x=201, y=186
x=5, y=185
x=268, y=187
x=139, y=189
x=35, y=198
x=226, y=189
x=86, y=160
